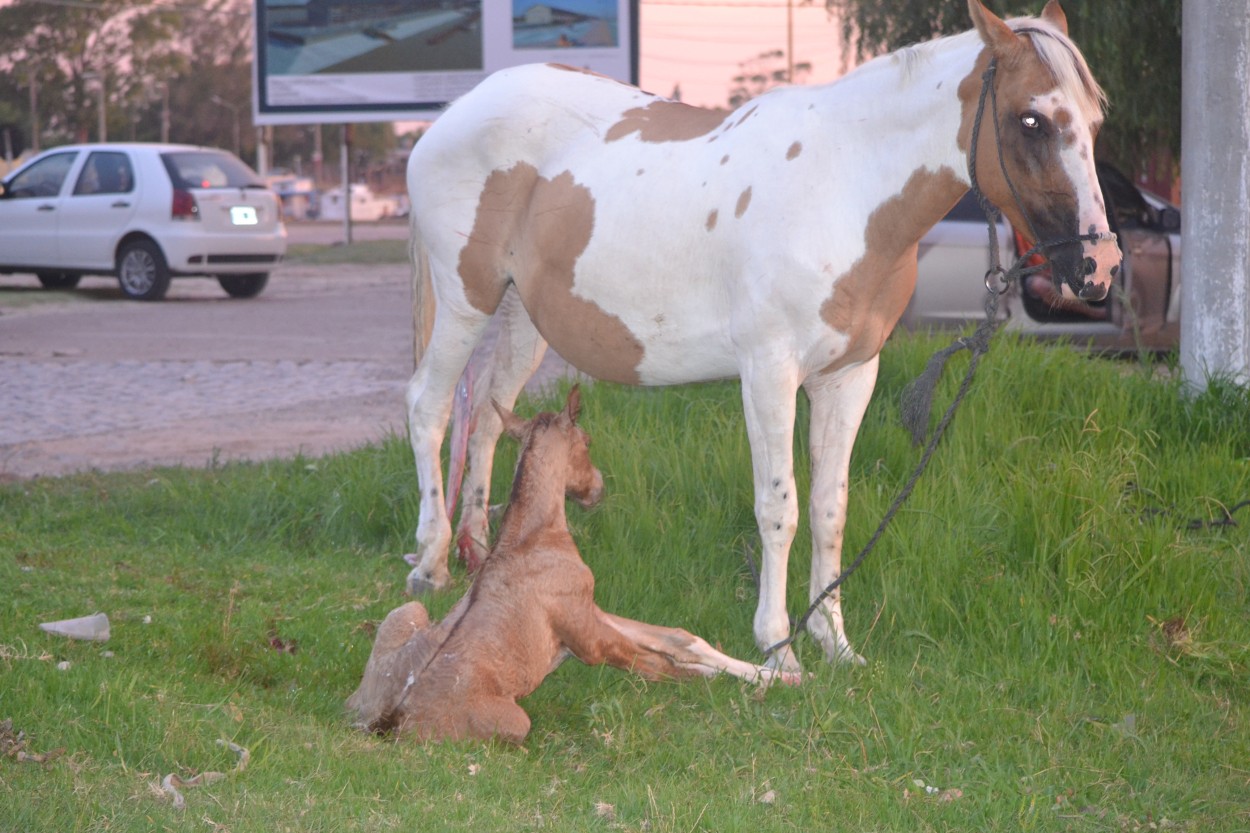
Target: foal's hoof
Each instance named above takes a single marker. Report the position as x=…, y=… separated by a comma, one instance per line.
x=419, y=584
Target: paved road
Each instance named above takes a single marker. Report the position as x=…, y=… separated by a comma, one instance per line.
x=316, y=364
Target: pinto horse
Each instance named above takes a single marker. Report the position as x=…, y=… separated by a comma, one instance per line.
x=654, y=243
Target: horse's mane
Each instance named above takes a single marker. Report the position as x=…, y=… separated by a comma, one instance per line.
x=1066, y=63
x=1055, y=50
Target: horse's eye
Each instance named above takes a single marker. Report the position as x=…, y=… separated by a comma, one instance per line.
x=1031, y=121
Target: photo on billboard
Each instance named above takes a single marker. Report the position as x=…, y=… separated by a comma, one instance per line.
x=320, y=61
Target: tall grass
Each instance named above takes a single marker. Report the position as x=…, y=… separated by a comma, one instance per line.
x=1050, y=646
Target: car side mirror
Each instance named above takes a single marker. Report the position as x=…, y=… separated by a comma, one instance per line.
x=1169, y=219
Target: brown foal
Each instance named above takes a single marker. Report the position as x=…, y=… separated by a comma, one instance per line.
x=531, y=606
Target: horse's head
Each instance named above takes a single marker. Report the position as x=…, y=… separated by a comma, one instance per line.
x=1034, y=155
x=582, y=481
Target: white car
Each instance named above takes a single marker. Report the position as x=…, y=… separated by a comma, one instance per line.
x=145, y=213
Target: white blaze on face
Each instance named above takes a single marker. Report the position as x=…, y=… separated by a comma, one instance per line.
x=1073, y=111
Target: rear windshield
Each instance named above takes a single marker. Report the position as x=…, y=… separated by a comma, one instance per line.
x=208, y=169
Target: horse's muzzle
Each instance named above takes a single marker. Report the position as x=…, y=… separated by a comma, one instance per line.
x=1087, y=277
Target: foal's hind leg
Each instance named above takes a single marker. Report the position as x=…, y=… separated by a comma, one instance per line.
x=673, y=648
x=516, y=355
x=838, y=402
x=430, y=392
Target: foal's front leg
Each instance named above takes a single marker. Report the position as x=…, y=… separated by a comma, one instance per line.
x=838, y=401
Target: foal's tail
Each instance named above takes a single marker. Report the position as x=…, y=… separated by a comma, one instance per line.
x=422, y=290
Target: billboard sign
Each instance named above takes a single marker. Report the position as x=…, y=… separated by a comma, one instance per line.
x=319, y=61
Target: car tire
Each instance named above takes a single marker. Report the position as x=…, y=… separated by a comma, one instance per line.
x=142, y=271
x=58, y=280
x=244, y=286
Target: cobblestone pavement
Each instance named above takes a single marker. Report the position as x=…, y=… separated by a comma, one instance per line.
x=316, y=364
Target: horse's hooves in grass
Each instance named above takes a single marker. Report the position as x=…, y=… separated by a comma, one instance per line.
x=419, y=585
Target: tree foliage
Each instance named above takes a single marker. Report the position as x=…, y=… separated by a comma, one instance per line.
x=1132, y=46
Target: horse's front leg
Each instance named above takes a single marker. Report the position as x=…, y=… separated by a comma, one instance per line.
x=838, y=401
x=768, y=392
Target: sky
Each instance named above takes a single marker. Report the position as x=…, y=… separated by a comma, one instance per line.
x=700, y=43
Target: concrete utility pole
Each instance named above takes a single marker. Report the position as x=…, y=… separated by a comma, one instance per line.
x=1215, y=189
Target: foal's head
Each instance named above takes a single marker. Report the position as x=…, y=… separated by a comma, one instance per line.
x=1048, y=112
x=557, y=442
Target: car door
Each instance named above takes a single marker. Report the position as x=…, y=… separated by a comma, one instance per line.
x=30, y=212
x=96, y=211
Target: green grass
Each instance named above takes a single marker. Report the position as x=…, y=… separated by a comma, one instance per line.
x=1041, y=638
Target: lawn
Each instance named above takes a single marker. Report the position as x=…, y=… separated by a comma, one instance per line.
x=1057, y=639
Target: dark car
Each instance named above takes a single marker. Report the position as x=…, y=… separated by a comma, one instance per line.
x=1142, y=310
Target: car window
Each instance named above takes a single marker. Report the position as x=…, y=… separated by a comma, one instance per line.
x=967, y=210
x=42, y=179
x=1127, y=206
x=208, y=169
x=106, y=172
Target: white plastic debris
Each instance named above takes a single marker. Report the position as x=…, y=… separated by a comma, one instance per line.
x=94, y=627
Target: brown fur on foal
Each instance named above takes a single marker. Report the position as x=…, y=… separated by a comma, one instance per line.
x=530, y=607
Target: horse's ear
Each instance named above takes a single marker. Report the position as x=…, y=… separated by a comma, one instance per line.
x=513, y=425
x=1053, y=14
x=573, y=407
x=996, y=34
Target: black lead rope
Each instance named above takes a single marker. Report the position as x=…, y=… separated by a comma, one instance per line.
x=918, y=396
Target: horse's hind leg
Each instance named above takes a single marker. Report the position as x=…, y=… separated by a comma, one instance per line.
x=454, y=334
x=515, y=356
x=838, y=403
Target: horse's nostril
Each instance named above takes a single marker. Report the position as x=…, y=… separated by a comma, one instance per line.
x=1091, y=292
x=1090, y=265
x=1115, y=270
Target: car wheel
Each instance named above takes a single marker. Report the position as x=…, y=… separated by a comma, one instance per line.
x=58, y=280
x=243, y=286
x=142, y=271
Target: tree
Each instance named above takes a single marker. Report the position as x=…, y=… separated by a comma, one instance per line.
x=1132, y=46
x=764, y=71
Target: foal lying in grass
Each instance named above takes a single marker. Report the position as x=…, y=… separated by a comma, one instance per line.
x=531, y=607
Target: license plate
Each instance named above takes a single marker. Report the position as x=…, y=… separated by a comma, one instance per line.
x=243, y=215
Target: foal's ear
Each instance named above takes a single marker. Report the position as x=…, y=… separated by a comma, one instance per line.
x=1053, y=14
x=513, y=425
x=573, y=407
x=996, y=34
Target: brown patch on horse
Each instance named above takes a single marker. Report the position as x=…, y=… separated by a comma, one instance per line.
x=794, y=150
x=869, y=298
x=666, y=121
x=530, y=230
x=711, y=219
x=744, y=200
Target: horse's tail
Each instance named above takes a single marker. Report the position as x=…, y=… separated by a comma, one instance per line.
x=422, y=290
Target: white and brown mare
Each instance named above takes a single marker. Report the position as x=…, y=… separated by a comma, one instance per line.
x=654, y=243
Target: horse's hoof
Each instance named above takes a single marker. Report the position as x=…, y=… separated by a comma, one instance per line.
x=420, y=585
x=784, y=662
x=844, y=655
